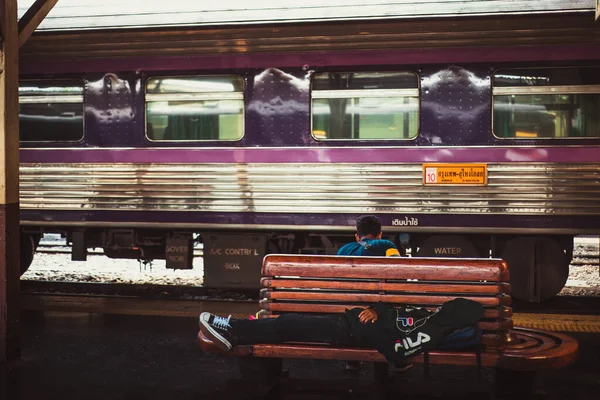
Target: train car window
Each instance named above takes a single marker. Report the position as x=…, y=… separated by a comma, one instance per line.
x=51, y=111
x=365, y=106
x=547, y=103
x=194, y=108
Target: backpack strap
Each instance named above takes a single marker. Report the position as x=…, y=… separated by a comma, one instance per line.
x=364, y=244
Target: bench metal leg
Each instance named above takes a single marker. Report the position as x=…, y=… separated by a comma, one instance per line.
x=510, y=383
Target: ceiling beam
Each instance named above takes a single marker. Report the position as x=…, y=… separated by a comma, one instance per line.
x=33, y=18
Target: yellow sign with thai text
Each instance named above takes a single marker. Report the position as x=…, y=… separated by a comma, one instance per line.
x=455, y=174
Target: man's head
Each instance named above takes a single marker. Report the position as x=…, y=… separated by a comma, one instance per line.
x=368, y=225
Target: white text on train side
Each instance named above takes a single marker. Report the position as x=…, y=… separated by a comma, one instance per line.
x=177, y=249
x=406, y=221
x=447, y=250
x=234, y=252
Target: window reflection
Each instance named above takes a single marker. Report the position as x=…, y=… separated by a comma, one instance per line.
x=194, y=108
x=547, y=103
x=51, y=111
x=195, y=84
x=365, y=106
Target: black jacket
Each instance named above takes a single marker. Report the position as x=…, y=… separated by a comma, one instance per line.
x=403, y=331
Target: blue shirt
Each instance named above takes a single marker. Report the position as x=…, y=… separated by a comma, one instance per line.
x=379, y=247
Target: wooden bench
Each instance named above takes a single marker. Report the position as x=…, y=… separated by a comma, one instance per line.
x=331, y=284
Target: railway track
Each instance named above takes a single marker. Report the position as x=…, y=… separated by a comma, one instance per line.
x=582, y=260
x=142, y=291
x=134, y=306
x=127, y=299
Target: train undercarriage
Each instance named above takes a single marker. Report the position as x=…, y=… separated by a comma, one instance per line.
x=539, y=264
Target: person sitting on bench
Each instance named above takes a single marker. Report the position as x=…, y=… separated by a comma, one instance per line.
x=369, y=243
x=396, y=332
x=368, y=240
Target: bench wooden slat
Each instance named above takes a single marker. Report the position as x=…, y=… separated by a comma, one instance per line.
x=415, y=287
x=559, y=350
x=459, y=273
x=426, y=299
x=444, y=269
x=534, y=346
x=488, y=359
x=493, y=340
x=499, y=325
x=533, y=341
x=281, y=307
x=562, y=352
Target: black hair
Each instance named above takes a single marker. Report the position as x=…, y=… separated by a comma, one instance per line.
x=368, y=225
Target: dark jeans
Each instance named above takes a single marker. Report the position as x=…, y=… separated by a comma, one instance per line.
x=332, y=329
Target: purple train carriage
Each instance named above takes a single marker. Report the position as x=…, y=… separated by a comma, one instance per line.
x=471, y=131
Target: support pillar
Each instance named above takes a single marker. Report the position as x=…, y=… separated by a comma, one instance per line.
x=9, y=182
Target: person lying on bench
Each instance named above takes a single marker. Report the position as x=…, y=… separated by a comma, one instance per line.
x=396, y=332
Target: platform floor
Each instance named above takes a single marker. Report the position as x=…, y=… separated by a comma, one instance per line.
x=95, y=356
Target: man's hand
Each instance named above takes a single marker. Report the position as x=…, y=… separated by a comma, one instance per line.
x=368, y=315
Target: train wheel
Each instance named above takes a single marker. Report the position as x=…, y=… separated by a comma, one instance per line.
x=28, y=246
x=448, y=246
x=539, y=267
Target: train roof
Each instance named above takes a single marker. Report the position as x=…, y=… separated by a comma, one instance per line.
x=122, y=14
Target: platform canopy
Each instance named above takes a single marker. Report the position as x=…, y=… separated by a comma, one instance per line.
x=115, y=14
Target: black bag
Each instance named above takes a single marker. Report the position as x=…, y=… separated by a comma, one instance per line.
x=462, y=339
